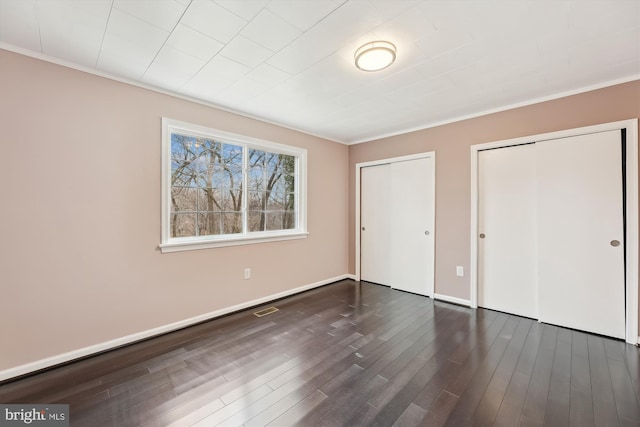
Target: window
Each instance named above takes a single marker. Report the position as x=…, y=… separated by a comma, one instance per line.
x=221, y=189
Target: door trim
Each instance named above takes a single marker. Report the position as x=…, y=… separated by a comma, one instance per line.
x=632, y=239
x=361, y=165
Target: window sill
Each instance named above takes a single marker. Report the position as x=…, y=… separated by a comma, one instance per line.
x=177, y=245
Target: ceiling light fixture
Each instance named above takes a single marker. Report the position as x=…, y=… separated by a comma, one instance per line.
x=375, y=56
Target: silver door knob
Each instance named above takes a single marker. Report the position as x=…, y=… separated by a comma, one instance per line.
x=482, y=235
x=362, y=228
x=426, y=233
x=615, y=243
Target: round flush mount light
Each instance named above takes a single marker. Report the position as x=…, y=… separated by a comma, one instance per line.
x=375, y=56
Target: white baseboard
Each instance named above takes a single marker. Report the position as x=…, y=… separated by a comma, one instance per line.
x=118, y=342
x=453, y=300
x=351, y=276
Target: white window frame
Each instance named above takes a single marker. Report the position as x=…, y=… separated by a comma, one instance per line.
x=176, y=244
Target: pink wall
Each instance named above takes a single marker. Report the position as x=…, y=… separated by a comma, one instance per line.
x=452, y=144
x=80, y=217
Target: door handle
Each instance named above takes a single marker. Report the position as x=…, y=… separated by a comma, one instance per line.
x=615, y=243
x=482, y=235
x=362, y=228
x=426, y=233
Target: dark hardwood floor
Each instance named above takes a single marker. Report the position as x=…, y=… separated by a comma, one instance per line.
x=351, y=354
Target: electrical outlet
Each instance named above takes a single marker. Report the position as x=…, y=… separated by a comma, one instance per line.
x=247, y=273
x=459, y=271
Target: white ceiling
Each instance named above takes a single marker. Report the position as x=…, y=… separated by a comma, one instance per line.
x=290, y=62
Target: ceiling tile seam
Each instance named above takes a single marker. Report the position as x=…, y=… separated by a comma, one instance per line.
x=302, y=32
x=142, y=19
x=198, y=31
x=317, y=22
x=224, y=44
x=237, y=36
x=104, y=34
x=207, y=63
x=279, y=50
x=233, y=13
x=306, y=31
x=165, y=40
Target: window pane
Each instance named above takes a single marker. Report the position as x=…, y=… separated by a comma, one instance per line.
x=257, y=200
x=274, y=165
x=231, y=165
x=290, y=203
x=290, y=183
x=232, y=222
x=206, y=178
x=271, y=180
x=289, y=220
x=209, y=223
x=183, y=156
x=233, y=201
x=183, y=225
x=229, y=177
x=209, y=199
x=256, y=220
x=276, y=199
x=183, y=199
x=275, y=220
x=233, y=177
x=257, y=171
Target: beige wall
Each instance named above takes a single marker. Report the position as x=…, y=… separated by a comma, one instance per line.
x=452, y=146
x=80, y=217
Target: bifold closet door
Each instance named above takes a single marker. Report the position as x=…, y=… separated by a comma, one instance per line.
x=375, y=224
x=581, y=232
x=412, y=225
x=507, y=267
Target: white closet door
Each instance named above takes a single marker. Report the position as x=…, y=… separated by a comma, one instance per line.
x=507, y=267
x=412, y=225
x=580, y=221
x=375, y=224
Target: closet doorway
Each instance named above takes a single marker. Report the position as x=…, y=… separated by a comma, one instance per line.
x=553, y=233
x=395, y=219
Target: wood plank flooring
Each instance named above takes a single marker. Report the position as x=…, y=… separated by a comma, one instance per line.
x=351, y=354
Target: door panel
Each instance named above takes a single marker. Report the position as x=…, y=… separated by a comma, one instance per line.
x=412, y=225
x=580, y=273
x=375, y=224
x=507, y=267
